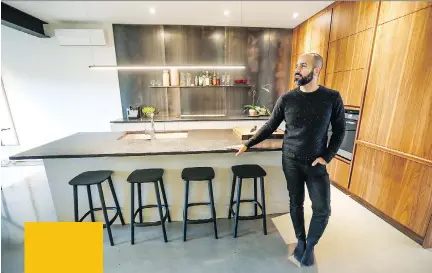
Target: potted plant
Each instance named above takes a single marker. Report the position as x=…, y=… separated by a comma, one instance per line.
x=256, y=109
x=253, y=110
x=147, y=111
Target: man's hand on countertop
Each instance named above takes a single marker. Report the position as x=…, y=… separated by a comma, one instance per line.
x=241, y=150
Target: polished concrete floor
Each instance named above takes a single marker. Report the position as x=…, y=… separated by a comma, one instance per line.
x=355, y=240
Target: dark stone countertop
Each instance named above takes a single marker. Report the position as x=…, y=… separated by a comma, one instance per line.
x=107, y=144
x=174, y=119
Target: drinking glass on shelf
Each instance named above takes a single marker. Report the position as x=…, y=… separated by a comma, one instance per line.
x=152, y=82
x=158, y=83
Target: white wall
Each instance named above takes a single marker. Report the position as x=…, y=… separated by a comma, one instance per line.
x=52, y=92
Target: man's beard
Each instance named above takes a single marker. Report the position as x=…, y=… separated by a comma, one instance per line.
x=303, y=80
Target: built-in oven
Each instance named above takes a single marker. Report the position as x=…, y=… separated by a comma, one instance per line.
x=347, y=146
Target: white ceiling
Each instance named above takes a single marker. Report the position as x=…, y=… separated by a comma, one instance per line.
x=276, y=14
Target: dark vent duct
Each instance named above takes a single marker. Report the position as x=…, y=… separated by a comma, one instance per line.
x=22, y=21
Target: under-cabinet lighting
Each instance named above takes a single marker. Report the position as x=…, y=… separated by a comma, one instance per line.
x=187, y=116
x=147, y=67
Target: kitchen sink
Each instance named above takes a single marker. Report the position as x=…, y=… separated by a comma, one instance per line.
x=147, y=136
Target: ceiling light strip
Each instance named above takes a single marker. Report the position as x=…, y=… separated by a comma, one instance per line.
x=180, y=67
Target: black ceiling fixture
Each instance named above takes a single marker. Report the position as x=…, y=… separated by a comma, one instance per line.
x=22, y=21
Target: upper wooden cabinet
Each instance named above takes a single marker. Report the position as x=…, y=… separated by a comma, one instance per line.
x=350, y=85
x=319, y=29
x=400, y=188
x=397, y=111
x=303, y=39
x=350, y=53
x=322, y=51
x=291, y=83
x=394, y=9
x=352, y=17
x=294, y=41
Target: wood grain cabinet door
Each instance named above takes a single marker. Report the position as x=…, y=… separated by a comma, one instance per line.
x=339, y=172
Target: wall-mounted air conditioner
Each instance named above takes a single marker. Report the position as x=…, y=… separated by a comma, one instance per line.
x=80, y=37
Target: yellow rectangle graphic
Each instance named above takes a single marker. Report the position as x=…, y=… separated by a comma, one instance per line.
x=63, y=247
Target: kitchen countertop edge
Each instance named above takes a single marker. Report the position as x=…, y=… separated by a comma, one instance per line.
x=172, y=119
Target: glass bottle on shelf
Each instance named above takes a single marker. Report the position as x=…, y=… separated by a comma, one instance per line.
x=200, y=79
x=228, y=79
x=165, y=78
x=207, y=79
x=223, y=79
x=218, y=80
x=214, y=78
x=188, y=79
x=196, y=81
x=182, y=79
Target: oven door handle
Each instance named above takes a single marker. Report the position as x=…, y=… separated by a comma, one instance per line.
x=350, y=122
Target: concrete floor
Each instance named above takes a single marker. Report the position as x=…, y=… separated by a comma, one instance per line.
x=355, y=240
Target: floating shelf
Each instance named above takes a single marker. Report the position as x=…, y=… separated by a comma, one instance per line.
x=213, y=86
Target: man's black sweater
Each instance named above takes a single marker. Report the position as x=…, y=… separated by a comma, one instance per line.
x=307, y=117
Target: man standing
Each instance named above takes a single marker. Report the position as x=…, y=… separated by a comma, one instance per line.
x=308, y=110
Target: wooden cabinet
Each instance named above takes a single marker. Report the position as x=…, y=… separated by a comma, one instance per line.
x=303, y=39
x=352, y=17
x=398, y=187
x=322, y=51
x=394, y=9
x=398, y=111
x=311, y=36
x=350, y=85
x=319, y=29
x=338, y=170
x=350, y=53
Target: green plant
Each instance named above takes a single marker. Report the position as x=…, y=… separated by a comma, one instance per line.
x=256, y=108
x=148, y=110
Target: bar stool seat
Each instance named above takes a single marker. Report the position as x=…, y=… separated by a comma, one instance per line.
x=88, y=179
x=136, y=178
x=248, y=171
x=198, y=174
x=145, y=175
x=241, y=172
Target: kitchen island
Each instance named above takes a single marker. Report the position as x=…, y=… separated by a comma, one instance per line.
x=124, y=152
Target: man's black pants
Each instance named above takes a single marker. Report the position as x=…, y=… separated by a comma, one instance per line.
x=318, y=183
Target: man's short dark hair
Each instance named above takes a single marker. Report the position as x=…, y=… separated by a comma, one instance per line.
x=318, y=60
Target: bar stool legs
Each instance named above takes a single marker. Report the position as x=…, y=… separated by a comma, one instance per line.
x=236, y=216
x=199, y=221
x=212, y=206
x=263, y=206
x=116, y=202
x=185, y=211
x=164, y=198
x=232, y=196
x=255, y=196
x=105, y=214
x=241, y=172
x=138, y=211
x=132, y=214
x=159, y=205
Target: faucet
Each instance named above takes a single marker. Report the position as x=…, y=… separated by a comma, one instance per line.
x=152, y=131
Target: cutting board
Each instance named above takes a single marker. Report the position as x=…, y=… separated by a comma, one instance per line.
x=244, y=133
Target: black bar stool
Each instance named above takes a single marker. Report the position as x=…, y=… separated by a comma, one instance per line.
x=198, y=174
x=241, y=172
x=96, y=178
x=139, y=177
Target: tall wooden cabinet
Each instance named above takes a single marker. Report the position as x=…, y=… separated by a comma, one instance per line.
x=378, y=57
x=311, y=36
